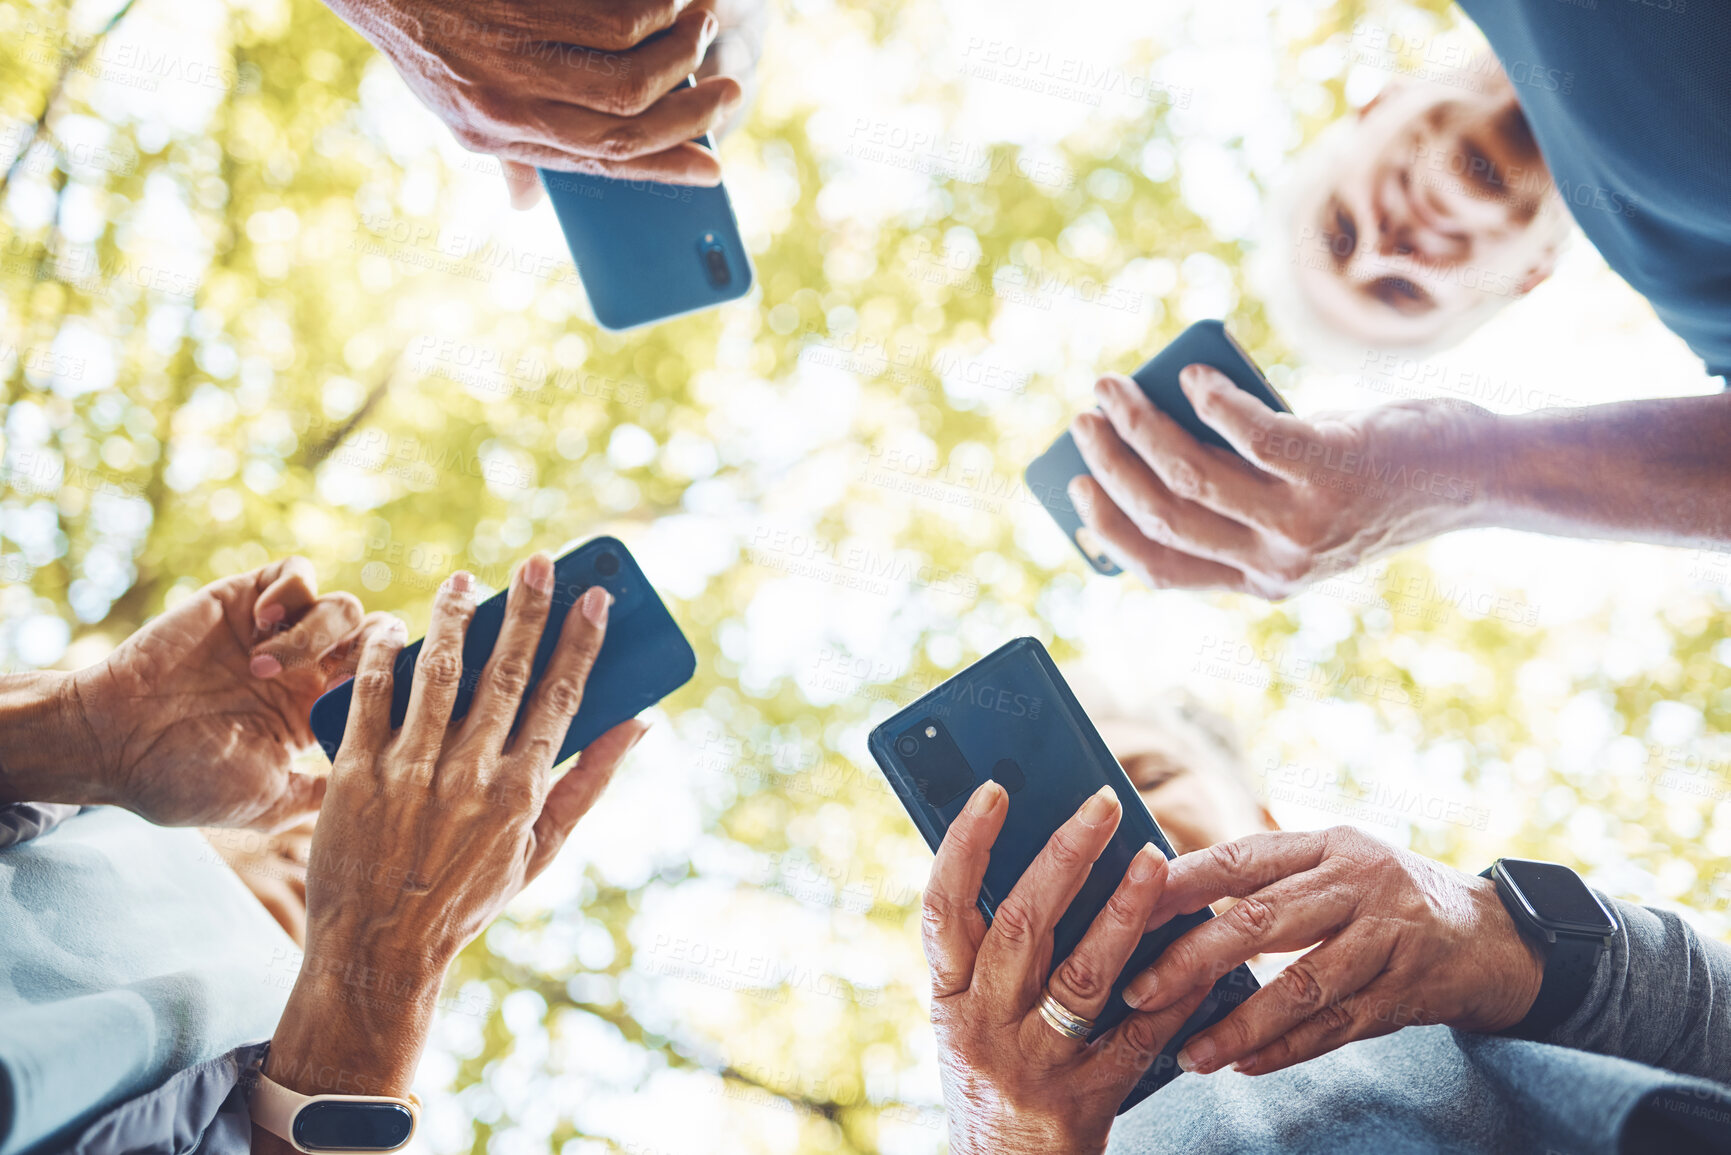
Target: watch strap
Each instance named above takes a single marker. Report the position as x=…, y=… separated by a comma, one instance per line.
x=1570, y=963
x=274, y=1107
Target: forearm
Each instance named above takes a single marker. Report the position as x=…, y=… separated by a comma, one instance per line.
x=1654, y=471
x=1662, y=996
x=47, y=751
x=350, y=1029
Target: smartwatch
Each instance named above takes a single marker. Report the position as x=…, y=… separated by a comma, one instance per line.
x=1553, y=908
x=317, y=1123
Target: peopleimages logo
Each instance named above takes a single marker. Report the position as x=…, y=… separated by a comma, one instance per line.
x=985, y=696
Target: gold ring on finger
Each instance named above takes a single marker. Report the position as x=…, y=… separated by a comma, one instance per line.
x=1063, y=1020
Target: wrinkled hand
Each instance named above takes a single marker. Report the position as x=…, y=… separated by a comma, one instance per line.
x=1403, y=941
x=1307, y=499
x=584, y=86
x=1011, y=1082
x=196, y=718
x=429, y=830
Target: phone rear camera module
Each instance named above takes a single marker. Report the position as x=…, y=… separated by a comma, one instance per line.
x=714, y=259
x=934, y=762
x=607, y=564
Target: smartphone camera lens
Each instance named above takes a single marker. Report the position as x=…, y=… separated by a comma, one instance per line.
x=715, y=262
x=907, y=746
x=607, y=564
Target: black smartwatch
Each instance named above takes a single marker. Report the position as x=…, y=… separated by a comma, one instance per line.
x=1553, y=908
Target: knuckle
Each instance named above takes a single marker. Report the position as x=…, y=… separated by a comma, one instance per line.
x=1138, y=1032
x=1230, y=858
x=1064, y=851
x=623, y=141
x=630, y=95
x=564, y=695
x=439, y=669
x=1186, y=481
x=508, y=674
x=1330, y=1019
x=1014, y=923
x=1300, y=988
x=374, y=684
x=1252, y=916
x=1083, y=978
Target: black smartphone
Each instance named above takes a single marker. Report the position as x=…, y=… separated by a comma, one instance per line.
x=647, y=251
x=1204, y=343
x=644, y=656
x=1011, y=717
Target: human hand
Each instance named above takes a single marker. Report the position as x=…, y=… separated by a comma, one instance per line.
x=429, y=830
x=1307, y=500
x=195, y=719
x=1012, y=1083
x=1402, y=941
x=452, y=820
x=586, y=86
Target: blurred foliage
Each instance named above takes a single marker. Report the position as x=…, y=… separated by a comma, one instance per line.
x=258, y=334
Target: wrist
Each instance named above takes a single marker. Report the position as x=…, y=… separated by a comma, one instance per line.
x=1509, y=965
x=48, y=750
x=1458, y=463
x=353, y=1028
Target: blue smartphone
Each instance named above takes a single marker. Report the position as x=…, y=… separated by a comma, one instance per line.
x=1011, y=717
x=1204, y=343
x=644, y=656
x=647, y=251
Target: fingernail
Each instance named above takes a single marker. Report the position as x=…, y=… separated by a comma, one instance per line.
x=461, y=582
x=538, y=573
x=594, y=603
x=397, y=628
x=710, y=27
x=1077, y=491
x=1142, y=866
x=985, y=799
x=1099, y=807
x=1139, y=991
x=264, y=666
x=1103, y=387
x=270, y=615
x=1196, y=1056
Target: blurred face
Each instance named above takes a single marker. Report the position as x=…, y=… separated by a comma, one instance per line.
x=1193, y=793
x=1432, y=215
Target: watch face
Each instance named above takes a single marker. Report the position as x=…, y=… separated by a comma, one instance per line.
x=1558, y=897
x=338, y=1126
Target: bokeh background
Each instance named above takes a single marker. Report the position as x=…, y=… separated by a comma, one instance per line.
x=256, y=302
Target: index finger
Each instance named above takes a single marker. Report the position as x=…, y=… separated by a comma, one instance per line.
x=1276, y=442
x=1235, y=869
x=951, y=925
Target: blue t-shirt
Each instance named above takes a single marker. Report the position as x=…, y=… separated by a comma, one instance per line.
x=1630, y=102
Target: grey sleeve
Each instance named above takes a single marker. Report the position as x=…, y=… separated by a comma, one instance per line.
x=1662, y=996
x=199, y=1111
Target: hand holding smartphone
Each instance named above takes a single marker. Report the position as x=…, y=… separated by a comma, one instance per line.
x=644, y=656
x=647, y=251
x=1204, y=343
x=1011, y=718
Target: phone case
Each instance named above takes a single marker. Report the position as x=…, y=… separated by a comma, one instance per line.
x=647, y=251
x=1206, y=343
x=1011, y=717
x=644, y=656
